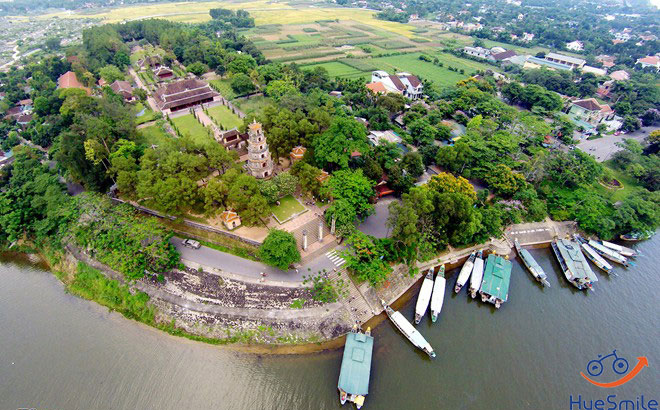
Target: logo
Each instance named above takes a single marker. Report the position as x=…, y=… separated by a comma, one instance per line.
x=619, y=366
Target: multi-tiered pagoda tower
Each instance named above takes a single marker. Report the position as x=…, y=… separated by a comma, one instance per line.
x=260, y=163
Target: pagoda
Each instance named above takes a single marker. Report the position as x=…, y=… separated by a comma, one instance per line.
x=260, y=163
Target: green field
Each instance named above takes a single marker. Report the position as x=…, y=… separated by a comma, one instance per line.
x=337, y=69
x=223, y=87
x=188, y=125
x=147, y=116
x=412, y=64
x=154, y=135
x=252, y=105
x=288, y=207
x=224, y=117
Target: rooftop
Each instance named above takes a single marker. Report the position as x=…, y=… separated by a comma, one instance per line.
x=572, y=60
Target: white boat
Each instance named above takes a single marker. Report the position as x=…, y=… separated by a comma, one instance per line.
x=464, y=275
x=408, y=330
x=424, y=297
x=438, y=296
x=608, y=253
x=598, y=260
x=477, y=275
x=622, y=250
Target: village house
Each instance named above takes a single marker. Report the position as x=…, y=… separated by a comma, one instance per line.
x=377, y=137
x=405, y=84
x=575, y=46
x=604, y=89
x=649, y=61
x=183, y=94
x=230, y=219
x=124, y=89
x=572, y=62
x=620, y=75
x=234, y=140
x=478, y=52
x=69, y=80
x=503, y=56
x=607, y=61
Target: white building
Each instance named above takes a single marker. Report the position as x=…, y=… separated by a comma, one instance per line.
x=375, y=137
x=405, y=84
x=575, y=46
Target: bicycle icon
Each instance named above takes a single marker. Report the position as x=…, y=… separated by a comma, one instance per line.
x=619, y=365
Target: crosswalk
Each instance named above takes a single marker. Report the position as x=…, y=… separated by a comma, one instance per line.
x=335, y=258
x=529, y=231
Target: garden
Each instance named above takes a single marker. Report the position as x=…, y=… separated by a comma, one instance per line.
x=288, y=208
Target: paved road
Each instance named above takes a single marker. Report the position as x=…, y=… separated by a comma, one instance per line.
x=234, y=264
x=603, y=148
x=376, y=224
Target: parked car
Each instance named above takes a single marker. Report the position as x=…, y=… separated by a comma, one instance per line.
x=190, y=243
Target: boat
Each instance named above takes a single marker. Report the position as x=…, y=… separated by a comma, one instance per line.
x=609, y=253
x=353, y=384
x=532, y=266
x=497, y=276
x=408, y=330
x=622, y=250
x=636, y=236
x=477, y=275
x=438, y=296
x=424, y=297
x=573, y=264
x=464, y=275
x=594, y=257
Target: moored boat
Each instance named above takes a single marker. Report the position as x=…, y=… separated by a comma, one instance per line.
x=573, y=264
x=609, y=253
x=532, y=266
x=438, y=296
x=636, y=236
x=353, y=384
x=497, y=276
x=594, y=257
x=408, y=330
x=464, y=275
x=477, y=275
x=622, y=250
x=424, y=297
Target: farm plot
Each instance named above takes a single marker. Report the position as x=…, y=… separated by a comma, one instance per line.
x=412, y=64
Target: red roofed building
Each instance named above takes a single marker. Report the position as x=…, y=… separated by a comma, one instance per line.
x=589, y=110
x=649, y=61
x=297, y=153
x=124, y=89
x=69, y=80
x=183, y=94
x=230, y=219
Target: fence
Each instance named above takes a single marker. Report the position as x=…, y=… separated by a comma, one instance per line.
x=189, y=223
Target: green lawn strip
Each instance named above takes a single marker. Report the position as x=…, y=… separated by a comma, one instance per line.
x=252, y=105
x=224, y=117
x=147, y=116
x=630, y=185
x=335, y=68
x=188, y=125
x=223, y=86
x=288, y=206
x=412, y=64
x=154, y=135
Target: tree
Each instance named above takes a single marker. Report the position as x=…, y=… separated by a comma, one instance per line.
x=269, y=190
x=242, y=84
x=344, y=215
x=308, y=177
x=279, y=249
x=413, y=164
x=334, y=147
x=504, y=181
x=447, y=183
x=244, y=196
x=365, y=260
x=240, y=63
x=53, y=43
x=111, y=73
x=631, y=123
x=198, y=68
x=286, y=183
x=353, y=187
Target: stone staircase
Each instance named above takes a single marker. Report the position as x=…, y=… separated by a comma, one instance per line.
x=312, y=228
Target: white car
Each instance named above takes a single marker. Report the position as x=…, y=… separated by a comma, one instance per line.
x=190, y=243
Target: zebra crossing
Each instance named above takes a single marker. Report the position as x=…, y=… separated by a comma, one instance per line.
x=335, y=258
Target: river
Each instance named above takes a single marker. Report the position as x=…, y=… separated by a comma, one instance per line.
x=62, y=352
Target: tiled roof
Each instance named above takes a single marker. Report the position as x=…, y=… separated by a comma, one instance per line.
x=506, y=54
x=397, y=83
x=414, y=81
x=228, y=216
x=589, y=104
x=69, y=80
x=377, y=87
x=620, y=75
x=119, y=86
x=182, y=93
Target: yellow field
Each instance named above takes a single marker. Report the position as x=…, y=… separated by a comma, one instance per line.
x=264, y=12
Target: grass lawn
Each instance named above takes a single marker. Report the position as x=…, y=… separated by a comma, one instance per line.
x=147, y=116
x=252, y=105
x=630, y=185
x=154, y=135
x=288, y=206
x=188, y=125
x=335, y=69
x=412, y=64
x=223, y=87
x=224, y=117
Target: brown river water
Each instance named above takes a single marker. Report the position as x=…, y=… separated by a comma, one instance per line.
x=61, y=352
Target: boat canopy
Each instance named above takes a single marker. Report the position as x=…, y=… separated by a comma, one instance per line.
x=356, y=364
x=497, y=276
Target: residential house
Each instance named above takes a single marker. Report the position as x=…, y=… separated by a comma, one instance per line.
x=405, y=84
x=535, y=62
x=183, y=94
x=230, y=219
x=607, y=61
x=575, y=46
x=376, y=137
x=649, y=61
x=605, y=89
x=527, y=37
x=594, y=70
x=479, y=52
x=573, y=62
x=124, y=89
x=69, y=80
x=622, y=37
x=620, y=75
x=589, y=112
x=504, y=56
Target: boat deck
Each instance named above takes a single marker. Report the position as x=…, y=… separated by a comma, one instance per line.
x=356, y=364
x=497, y=277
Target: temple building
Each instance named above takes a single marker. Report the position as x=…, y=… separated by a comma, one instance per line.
x=183, y=94
x=260, y=163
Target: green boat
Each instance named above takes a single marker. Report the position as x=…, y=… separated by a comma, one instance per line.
x=355, y=370
x=495, y=285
